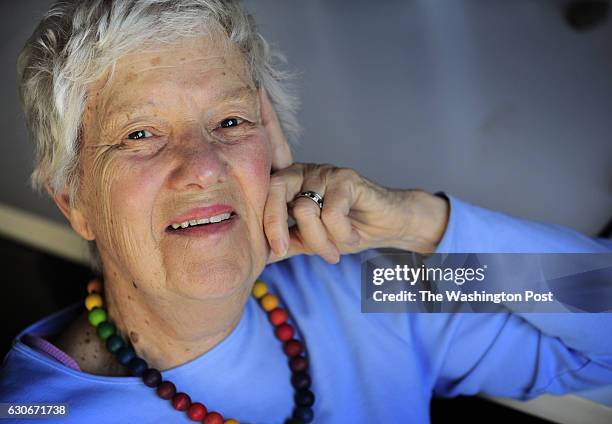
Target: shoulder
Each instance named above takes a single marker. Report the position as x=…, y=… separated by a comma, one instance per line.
x=80, y=341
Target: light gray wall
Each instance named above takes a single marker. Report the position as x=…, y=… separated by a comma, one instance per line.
x=499, y=103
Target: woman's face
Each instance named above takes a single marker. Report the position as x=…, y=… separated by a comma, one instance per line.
x=177, y=137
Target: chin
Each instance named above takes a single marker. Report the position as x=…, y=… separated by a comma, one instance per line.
x=218, y=278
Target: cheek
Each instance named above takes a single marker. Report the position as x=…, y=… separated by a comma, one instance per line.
x=254, y=168
x=120, y=195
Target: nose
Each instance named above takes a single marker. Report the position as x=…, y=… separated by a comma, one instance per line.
x=198, y=164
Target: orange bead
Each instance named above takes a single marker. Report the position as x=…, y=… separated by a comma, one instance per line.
x=259, y=289
x=269, y=302
x=94, y=286
x=231, y=421
x=92, y=301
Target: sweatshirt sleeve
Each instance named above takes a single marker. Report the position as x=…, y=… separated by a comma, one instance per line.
x=521, y=355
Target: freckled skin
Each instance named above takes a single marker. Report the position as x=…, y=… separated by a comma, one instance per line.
x=132, y=189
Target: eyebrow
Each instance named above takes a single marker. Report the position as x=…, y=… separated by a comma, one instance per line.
x=226, y=96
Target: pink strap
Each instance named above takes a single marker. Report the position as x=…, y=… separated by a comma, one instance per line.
x=44, y=346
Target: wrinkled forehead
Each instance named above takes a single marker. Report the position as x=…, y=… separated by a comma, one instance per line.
x=207, y=63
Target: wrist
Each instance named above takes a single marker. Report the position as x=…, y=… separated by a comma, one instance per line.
x=426, y=221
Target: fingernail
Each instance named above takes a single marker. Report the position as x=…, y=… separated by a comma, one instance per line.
x=282, y=247
x=333, y=259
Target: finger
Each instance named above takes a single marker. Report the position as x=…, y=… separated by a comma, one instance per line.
x=275, y=217
x=281, y=151
x=307, y=217
x=275, y=210
x=296, y=247
x=339, y=199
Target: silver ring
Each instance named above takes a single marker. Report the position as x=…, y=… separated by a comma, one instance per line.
x=312, y=195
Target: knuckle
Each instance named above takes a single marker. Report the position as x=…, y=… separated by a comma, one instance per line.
x=302, y=210
x=346, y=174
x=277, y=181
x=273, y=219
x=332, y=215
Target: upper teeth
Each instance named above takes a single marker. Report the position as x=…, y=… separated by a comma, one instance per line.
x=192, y=222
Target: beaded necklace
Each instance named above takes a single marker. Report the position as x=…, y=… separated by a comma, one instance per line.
x=196, y=411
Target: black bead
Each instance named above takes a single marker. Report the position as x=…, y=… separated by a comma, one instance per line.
x=304, y=398
x=151, y=377
x=300, y=380
x=294, y=421
x=303, y=413
x=137, y=366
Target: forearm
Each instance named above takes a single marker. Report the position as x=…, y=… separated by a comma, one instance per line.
x=472, y=229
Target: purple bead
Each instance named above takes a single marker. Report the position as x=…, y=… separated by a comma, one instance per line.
x=151, y=377
x=166, y=390
x=298, y=363
x=300, y=380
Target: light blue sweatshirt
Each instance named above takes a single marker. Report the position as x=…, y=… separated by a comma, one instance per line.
x=366, y=368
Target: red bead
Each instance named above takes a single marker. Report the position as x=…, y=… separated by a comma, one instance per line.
x=196, y=411
x=293, y=347
x=284, y=332
x=213, y=418
x=181, y=401
x=166, y=390
x=278, y=316
x=298, y=363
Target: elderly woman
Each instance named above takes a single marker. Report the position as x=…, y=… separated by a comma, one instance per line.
x=159, y=134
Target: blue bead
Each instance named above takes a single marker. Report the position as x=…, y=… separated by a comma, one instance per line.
x=125, y=355
x=303, y=413
x=137, y=366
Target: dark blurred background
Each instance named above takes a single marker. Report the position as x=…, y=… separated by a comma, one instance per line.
x=503, y=104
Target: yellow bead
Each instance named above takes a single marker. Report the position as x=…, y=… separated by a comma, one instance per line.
x=94, y=286
x=92, y=301
x=230, y=421
x=269, y=302
x=259, y=289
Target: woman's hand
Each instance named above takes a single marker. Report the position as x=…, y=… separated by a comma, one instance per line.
x=357, y=214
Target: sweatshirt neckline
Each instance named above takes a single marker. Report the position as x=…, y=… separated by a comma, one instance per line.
x=57, y=320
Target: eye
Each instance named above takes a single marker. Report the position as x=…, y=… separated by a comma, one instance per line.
x=137, y=135
x=230, y=122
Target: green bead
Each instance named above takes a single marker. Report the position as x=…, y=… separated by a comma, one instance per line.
x=96, y=316
x=105, y=330
x=114, y=343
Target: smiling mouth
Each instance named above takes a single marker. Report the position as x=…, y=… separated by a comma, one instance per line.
x=215, y=219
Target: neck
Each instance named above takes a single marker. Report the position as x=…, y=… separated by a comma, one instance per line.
x=167, y=332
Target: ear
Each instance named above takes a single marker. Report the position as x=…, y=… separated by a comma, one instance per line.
x=75, y=216
x=281, y=152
